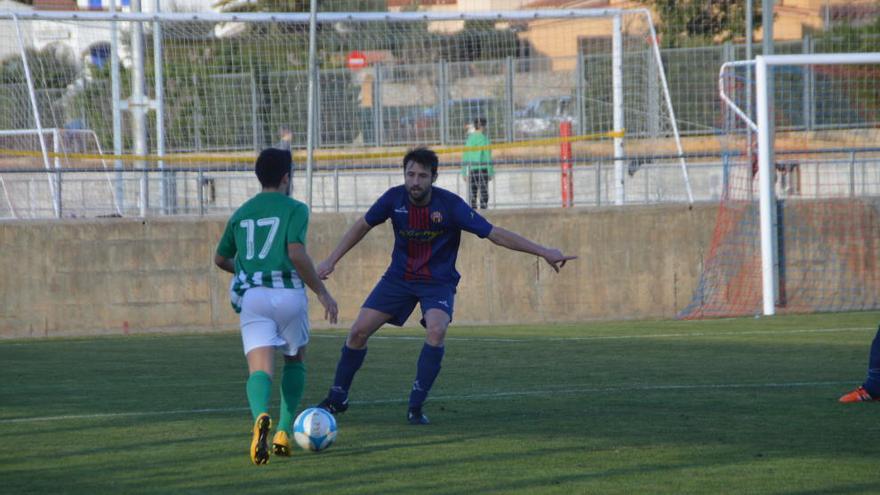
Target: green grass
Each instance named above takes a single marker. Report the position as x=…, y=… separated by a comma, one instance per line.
x=723, y=406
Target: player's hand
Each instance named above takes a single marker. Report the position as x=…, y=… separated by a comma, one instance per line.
x=556, y=259
x=331, y=310
x=324, y=269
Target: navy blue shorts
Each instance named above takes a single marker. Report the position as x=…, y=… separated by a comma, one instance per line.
x=398, y=298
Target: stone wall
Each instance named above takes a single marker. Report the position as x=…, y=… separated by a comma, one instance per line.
x=77, y=277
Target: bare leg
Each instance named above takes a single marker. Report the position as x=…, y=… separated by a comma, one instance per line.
x=366, y=324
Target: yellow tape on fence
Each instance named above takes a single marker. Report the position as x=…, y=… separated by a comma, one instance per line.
x=301, y=155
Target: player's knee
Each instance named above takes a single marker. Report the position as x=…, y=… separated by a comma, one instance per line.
x=357, y=338
x=435, y=335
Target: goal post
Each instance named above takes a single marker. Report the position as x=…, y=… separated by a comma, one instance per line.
x=799, y=223
x=766, y=167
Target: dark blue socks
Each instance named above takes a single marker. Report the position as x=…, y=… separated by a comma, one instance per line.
x=426, y=373
x=349, y=363
x=872, y=384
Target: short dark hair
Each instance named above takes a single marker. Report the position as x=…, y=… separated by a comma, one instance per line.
x=480, y=123
x=424, y=157
x=271, y=166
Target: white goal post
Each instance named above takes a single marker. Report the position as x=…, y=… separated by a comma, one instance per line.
x=764, y=125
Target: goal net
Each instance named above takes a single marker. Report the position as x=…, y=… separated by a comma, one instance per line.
x=798, y=228
x=31, y=179
x=201, y=93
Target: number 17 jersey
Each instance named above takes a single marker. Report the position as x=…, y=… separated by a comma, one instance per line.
x=256, y=236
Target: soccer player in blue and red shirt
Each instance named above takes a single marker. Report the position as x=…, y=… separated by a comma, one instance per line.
x=427, y=224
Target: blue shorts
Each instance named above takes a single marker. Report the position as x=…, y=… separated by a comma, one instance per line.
x=398, y=298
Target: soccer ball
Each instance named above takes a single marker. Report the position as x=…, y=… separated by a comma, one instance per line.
x=314, y=429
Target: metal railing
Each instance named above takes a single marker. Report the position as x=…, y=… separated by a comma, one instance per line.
x=839, y=172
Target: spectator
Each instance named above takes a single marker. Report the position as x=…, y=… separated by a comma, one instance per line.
x=477, y=167
x=285, y=136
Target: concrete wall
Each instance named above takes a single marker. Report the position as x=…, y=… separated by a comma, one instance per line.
x=117, y=275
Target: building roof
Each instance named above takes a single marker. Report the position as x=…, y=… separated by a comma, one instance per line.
x=421, y=3
x=569, y=4
x=55, y=5
x=852, y=13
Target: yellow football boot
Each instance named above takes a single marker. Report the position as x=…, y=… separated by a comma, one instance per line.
x=260, y=440
x=281, y=444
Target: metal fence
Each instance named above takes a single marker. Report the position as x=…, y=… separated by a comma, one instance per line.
x=223, y=94
x=509, y=92
x=205, y=191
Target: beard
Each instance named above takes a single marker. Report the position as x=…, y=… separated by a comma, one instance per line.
x=417, y=195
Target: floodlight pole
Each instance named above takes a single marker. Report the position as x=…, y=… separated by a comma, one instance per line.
x=159, y=105
x=617, y=103
x=313, y=74
x=137, y=105
x=116, y=98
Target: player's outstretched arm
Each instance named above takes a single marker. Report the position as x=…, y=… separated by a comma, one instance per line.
x=516, y=242
x=306, y=271
x=348, y=241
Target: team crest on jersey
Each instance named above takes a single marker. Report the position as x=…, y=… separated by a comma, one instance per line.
x=436, y=217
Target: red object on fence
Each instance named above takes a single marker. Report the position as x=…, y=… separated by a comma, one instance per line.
x=356, y=60
x=565, y=162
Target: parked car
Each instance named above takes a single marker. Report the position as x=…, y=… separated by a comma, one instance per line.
x=542, y=116
x=423, y=123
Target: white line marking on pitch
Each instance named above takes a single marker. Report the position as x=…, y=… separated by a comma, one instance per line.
x=618, y=388
x=618, y=337
x=319, y=334
x=480, y=396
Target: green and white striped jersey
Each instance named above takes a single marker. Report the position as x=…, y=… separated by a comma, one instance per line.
x=257, y=236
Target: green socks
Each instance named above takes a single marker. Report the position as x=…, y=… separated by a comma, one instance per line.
x=259, y=389
x=293, y=383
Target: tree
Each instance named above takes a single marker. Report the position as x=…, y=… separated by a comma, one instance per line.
x=847, y=37
x=263, y=6
x=859, y=81
x=302, y=6
x=50, y=68
x=480, y=40
x=699, y=22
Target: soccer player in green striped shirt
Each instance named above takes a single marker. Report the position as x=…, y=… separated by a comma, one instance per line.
x=263, y=247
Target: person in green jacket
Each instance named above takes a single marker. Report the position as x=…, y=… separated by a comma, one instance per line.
x=477, y=167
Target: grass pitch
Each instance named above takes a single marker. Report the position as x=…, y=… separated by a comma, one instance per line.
x=720, y=406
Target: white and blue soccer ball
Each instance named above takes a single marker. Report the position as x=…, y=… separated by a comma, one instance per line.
x=314, y=429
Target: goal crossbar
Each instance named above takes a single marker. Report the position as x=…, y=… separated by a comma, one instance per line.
x=321, y=17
